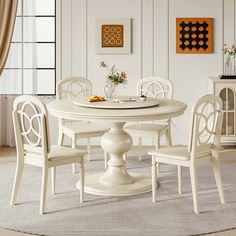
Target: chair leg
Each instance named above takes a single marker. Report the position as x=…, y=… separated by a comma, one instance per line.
x=125, y=156
x=218, y=179
x=43, y=190
x=154, y=179
x=53, y=176
x=82, y=180
x=158, y=144
x=88, y=150
x=105, y=159
x=158, y=167
x=140, y=149
x=168, y=137
x=74, y=168
x=60, y=138
x=17, y=180
x=153, y=142
x=74, y=146
x=193, y=178
x=179, y=179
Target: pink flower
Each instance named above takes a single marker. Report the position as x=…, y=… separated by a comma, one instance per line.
x=123, y=75
x=113, y=75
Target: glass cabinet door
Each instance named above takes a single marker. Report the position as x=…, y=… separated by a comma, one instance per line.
x=228, y=98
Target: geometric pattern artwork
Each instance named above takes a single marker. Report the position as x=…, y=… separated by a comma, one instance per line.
x=112, y=35
x=194, y=35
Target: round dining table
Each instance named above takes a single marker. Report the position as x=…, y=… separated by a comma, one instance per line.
x=116, y=180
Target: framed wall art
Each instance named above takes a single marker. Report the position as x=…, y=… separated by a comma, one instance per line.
x=113, y=35
x=194, y=35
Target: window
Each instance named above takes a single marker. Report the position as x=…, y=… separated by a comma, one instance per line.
x=31, y=64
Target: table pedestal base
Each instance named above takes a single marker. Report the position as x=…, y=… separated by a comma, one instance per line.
x=141, y=184
x=116, y=180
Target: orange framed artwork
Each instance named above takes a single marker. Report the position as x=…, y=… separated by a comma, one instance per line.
x=113, y=35
x=194, y=35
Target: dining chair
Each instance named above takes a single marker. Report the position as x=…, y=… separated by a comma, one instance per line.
x=75, y=88
x=202, y=149
x=33, y=146
x=153, y=87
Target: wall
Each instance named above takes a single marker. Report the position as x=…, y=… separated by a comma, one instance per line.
x=153, y=45
x=6, y=126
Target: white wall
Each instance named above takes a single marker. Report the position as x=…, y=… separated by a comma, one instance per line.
x=153, y=45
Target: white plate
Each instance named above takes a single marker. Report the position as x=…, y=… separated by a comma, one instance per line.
x=119, y=103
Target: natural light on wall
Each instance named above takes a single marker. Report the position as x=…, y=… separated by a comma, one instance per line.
x=31, y=64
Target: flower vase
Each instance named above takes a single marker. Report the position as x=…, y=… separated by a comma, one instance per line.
x=229, y=66
x=110, y=89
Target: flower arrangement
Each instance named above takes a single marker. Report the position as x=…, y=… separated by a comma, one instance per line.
x=230, y=51
x=114, y=78
x=113, y=75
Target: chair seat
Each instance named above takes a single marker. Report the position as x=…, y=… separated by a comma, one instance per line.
x=59, y=153
x=179, y=152
x=84, y=128
x=146, y=128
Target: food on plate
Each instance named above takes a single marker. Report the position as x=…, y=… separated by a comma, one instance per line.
x=95, y=98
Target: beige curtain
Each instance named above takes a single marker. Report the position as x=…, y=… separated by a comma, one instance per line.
x=8, y=9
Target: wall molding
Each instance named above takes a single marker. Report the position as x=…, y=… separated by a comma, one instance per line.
x=153, y=43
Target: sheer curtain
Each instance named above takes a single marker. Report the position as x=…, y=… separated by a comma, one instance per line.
x=15, y=80
x=20, y=73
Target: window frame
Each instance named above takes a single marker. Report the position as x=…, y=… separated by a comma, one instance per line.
x=22, y=42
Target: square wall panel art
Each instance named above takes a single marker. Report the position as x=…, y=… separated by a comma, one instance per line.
x=194, y=35
x=113, y=35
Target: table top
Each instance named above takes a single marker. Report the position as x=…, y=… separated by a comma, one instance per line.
x=166, y=109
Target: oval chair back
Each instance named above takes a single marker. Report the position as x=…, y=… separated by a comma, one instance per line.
x=73, y=87
x=207, y=117
x=30, y=126
x=155, y=87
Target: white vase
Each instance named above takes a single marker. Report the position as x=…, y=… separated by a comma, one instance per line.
x=229, y=66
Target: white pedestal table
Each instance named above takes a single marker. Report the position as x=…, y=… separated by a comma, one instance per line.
x=116, y=180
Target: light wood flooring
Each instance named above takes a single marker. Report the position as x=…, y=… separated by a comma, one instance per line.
x=228, y=155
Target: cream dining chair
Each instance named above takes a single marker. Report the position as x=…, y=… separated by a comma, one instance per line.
x=202, y=149
x=74, y=88
x=152, y=87
x=33, y=146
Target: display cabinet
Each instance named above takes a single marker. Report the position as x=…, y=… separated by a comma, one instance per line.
x=226, y=89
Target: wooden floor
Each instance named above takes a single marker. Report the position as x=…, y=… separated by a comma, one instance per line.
x=228, y=155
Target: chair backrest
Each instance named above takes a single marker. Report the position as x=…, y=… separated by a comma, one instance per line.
x=74, y=87
x=30, y=126
x=155, y=87
x=207, y=117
